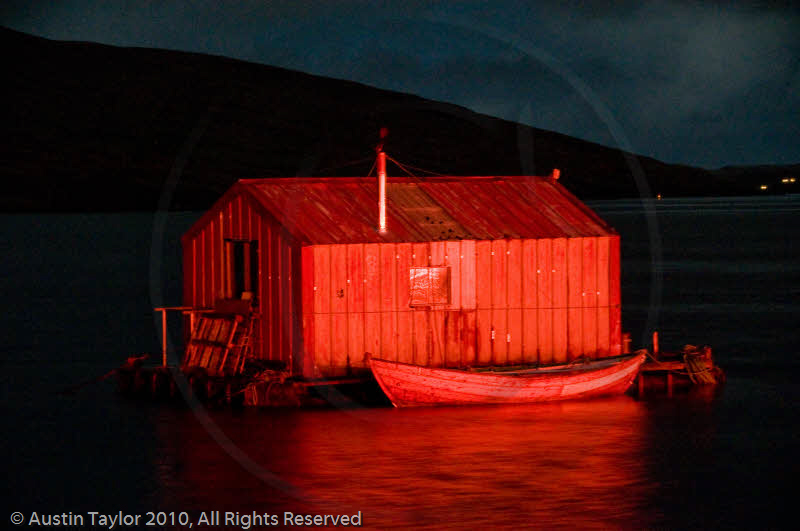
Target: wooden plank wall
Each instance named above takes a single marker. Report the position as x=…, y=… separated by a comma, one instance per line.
x=277, y=335
x=512, y=302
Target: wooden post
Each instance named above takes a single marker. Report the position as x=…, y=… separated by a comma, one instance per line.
x=669, y=384
x=163, y=337
x=655, y=343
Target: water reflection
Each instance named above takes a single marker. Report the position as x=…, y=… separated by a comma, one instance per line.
x=561, y=465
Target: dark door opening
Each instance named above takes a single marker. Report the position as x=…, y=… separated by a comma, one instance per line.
x=241, y=268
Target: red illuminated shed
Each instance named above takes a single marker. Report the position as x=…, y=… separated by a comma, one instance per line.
x=471, y=271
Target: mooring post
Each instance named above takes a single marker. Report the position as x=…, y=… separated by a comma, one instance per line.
x=164, y=337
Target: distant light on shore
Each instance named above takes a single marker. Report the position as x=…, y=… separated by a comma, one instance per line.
x=763, y=187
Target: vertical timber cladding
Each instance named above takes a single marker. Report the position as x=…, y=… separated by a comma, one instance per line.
x=356, y=300
x=205, y=273
x=593, y=293
x=547, y=300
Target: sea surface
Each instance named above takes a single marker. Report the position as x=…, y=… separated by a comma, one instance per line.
x=78, y=292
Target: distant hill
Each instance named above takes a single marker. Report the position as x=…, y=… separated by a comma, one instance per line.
x=90, y=127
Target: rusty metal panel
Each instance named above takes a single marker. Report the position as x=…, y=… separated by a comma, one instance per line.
x=208, y=280
x=248, y=220
x=322, y=343
x=499, y=274
x=261, y=340
x=614, y=297
x=529, y=302
x=514, y=290
x=341, y=355
x=219, y=257
x=354, y=291
x=575, y=297
x=419, y=345
x=603, y=314
x=403, y=256
x=452, y=332
x=267, y=309
x=372, y=278
x=287, y=303
x=372, y=299
x=466, y=210
x=544, y=315
x=338, y=278
x=499, y=302
x=437, y=333
x=308, y=294
x=355, y=338
x=452, y=259
x=295, y=361
x=469, y=339
x=344, y=210
x=389, y=280
x=322, y=307
x=514, y=273
x=515, y=336
x=468, y=275
x=277, y=294
x=590, y=272
x=559, y=281
x=421, y=329
x=322, y=278
x=483, y=277
x=237, y=216
x=483, y=274
x=590, y=296
x=436, y=254
x=405, y=326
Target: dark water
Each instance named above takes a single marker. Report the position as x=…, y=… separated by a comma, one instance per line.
x=78, y=292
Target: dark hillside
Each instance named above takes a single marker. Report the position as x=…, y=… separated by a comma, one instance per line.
x=95, y=127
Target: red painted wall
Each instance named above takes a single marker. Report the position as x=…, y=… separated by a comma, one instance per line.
x=512, y=301
x=236, y=216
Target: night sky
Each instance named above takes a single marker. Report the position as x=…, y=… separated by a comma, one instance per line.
x=695, y=83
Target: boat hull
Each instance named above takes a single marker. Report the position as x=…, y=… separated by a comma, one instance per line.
x=409, y=385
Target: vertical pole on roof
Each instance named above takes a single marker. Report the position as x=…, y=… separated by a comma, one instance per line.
x=382, y=182
x=381, y=191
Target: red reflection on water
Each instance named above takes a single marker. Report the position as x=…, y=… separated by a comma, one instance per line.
x=564, y=464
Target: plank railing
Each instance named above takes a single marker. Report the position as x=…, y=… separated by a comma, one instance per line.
x=185, y=310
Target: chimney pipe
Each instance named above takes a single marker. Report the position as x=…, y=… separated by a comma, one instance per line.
x=381, y=191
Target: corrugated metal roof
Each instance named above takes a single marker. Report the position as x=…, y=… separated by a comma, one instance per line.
x=345, y=210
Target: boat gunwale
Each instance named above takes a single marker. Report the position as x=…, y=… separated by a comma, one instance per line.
x=583, y=366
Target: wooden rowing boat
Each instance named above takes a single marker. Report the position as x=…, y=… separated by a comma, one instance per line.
x=409, y=385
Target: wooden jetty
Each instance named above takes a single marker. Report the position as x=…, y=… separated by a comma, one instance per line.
x=671, y=371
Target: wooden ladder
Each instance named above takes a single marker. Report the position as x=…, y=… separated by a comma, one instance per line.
x=219, y=343
x=239, y=349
